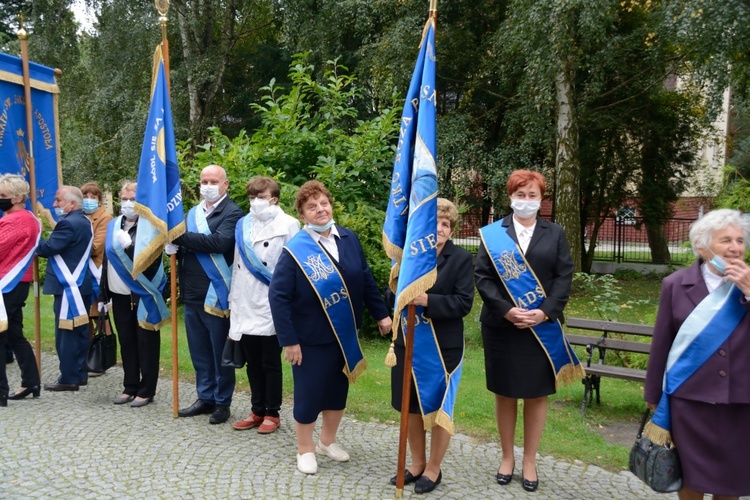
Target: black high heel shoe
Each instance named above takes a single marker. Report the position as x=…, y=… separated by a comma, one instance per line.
x=504, y=479
x=34, y=391
x=530, y=486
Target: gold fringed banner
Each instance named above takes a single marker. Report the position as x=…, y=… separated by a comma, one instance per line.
x=656, y=434
x=570, y=373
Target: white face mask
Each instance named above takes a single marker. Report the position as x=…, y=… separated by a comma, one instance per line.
x=210, y=192
x=262, y=209
x=127, y=208
x=525, y=208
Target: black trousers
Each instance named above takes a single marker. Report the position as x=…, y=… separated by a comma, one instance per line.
x=263, y=355
x=13, y=338
x=139, y=348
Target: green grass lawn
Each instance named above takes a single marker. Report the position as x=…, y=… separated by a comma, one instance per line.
x=567, y=435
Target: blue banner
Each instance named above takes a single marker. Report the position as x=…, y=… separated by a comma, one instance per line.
x=158, y=198
x=410, y=228
x=14, y=153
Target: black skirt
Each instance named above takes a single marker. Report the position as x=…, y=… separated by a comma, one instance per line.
x=451, y=357
x=515, y=363
x=319, y=382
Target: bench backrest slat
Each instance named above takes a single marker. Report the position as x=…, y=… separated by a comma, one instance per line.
x=609, y=326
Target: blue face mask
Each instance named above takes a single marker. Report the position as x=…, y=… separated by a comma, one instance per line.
x=60, y=212
x=321, y=229
x=90, y=206
x=718, y=263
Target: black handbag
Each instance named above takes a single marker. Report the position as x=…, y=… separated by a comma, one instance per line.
x=656, y=465
x=102, y=353
x=231, y=355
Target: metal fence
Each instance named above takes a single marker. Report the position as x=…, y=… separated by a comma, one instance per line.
x=620, y=239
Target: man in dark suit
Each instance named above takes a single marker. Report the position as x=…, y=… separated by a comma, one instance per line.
x=206, y=253
x=68, y=279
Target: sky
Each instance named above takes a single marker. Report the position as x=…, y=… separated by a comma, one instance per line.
x=83, y=15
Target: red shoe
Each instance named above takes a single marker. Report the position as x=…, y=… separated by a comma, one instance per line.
x=251, y=421
x=269, y=425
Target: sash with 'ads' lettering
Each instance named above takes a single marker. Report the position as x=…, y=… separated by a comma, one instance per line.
x=14, y=154
x=527, y=293
x=333, y=294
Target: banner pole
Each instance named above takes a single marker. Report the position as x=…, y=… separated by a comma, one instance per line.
x=163, y=7
x=23, y=37
x=405, y=400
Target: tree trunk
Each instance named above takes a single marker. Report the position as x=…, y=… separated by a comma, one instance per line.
x=567, y=162
x=657, y=241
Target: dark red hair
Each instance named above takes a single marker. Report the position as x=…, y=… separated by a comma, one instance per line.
x=521, y=178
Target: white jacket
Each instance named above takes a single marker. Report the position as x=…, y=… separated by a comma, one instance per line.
x=250, y=313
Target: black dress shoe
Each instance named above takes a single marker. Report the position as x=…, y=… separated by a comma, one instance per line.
x=408, y=477
x=530, y=485
x=426, y=485
x=219, y=415
x=3, y=401
x=83, y=382
x=197, y=408
x=504, y=479
x=29, y=390
x=60, y=387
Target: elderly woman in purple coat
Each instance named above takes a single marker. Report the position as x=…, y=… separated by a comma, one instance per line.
x=698, y=378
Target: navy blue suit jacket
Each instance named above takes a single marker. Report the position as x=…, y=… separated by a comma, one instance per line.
x=70, y=239
x=297, y=313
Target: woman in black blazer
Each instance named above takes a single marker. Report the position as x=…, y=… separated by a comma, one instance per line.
x=445, y=305
x=516, y=362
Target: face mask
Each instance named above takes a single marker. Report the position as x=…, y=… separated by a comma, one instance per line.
x=210, y=193
x=127, y=208
x=90, y=206
x=262, y=209
x=6, y=204
x=322, y=229
x=60, y=212
x=718, y=263
x=525, y=208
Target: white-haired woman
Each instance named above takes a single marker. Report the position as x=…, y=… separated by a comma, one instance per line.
x=19, y=233
x=702, y=344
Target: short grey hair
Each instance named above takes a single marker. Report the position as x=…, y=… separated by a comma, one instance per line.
x=72, y=193
x=702, y=230
x=129, y=186
x=15, y=185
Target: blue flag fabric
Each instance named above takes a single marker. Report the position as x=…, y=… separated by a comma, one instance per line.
x=410, y=228
x=14, y=157
x=410, y=234
x=158, y=198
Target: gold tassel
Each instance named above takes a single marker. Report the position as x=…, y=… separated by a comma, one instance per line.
x=656, y=434
x=390, y=358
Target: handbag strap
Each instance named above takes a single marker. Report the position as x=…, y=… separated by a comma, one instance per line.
x=103, y=324
x=644, y=419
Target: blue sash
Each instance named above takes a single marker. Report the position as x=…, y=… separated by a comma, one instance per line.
x=333, y=294
x=9, y=282
x=245, y=247
x=527, y=293
x=96, y=275
x=152, y=311
x=215, y=267
x=703, y=332
x=73, y=312
x=436, y=388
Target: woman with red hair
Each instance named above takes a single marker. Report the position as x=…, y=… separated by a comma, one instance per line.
x=523, y=273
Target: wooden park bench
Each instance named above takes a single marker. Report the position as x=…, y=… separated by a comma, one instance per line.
x=594, y=372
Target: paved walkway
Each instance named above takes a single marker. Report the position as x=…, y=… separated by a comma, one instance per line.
x=80, y=445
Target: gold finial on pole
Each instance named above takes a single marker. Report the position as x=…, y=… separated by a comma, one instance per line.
x=163, y=7
x=22, y=33
x=433, y=5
